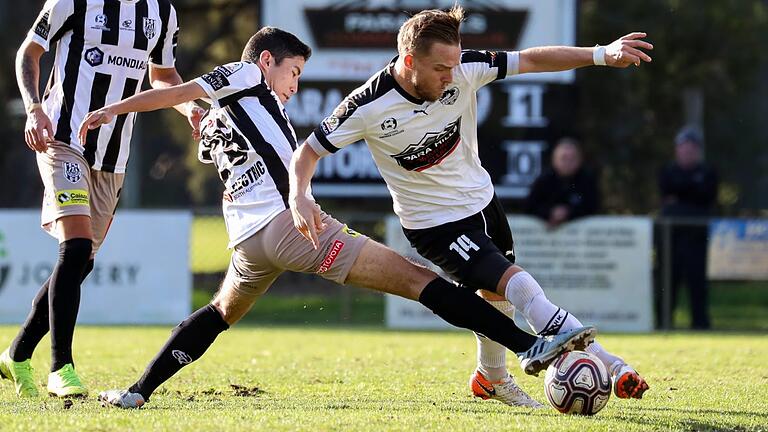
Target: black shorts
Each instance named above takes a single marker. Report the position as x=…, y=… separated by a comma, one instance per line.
x=475, y=251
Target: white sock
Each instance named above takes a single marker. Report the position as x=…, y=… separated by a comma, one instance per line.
x=544, y=317
x=492, y=356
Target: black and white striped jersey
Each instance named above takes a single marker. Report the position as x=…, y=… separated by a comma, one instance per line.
x=248, y=137
x=103, y=48
x=426, y=151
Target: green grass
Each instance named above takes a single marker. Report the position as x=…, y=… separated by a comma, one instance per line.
x=369, y=380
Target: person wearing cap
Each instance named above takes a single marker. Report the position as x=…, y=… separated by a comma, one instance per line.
x=688, y=189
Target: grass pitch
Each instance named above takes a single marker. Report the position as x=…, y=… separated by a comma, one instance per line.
x=292, y=378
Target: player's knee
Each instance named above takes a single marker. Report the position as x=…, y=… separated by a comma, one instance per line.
x=235, y=298
x=76, y=252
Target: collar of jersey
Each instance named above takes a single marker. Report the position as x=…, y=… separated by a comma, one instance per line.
x=403, y=93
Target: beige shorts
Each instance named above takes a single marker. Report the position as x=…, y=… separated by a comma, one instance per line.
x=72, y=188
x=260, y=259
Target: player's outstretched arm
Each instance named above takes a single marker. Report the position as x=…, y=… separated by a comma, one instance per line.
x=622, y=52
x=149, y=100
x=169, y=77
x=306, y=213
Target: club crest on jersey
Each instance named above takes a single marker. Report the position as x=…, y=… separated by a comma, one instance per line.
x=449, y=96
x=101, y=23
x=72, y=172
x=149, y=27
x=389, y=124
x=431, y=149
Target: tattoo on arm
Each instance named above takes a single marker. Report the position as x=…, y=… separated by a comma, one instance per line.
x=28, y=76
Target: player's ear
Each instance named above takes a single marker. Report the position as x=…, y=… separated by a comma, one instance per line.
x=408, y=61
x=266, y=59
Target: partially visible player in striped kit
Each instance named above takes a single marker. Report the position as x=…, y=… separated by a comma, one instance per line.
x=104, y=48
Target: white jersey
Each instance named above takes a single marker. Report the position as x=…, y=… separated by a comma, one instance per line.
x=426, y=151
x=102, y=51
x=248, y=137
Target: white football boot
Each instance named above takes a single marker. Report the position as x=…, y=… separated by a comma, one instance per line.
x=121, y=399
x=506, y=391
x=548, y=348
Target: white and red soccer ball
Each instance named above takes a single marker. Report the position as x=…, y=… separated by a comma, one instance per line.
x=577, y=383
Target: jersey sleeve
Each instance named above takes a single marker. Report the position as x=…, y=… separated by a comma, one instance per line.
x=53, y=21
x=164, y=53
x=342, y=128
x=483, y=67
x=228, y=80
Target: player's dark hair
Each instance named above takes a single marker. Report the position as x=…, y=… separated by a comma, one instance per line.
x=279, y=43
x=427, y=27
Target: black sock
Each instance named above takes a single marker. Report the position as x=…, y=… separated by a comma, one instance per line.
x=64, y=298
x=187, y=343
x=37, y=324
x=463, y=308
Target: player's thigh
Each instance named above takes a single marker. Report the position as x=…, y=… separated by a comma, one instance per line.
x=333, y=259
x=66, y=210
x=464, y=251
x=382, y=269
x=105, y=195
x=248, y=277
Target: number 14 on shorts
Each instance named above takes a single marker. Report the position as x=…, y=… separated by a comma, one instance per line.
x=463, y=245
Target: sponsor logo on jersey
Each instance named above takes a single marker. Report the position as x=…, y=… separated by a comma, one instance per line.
x=330, y=258
x=127, y=25
x=72, y=172
x=330, y=124
x=72, y=197
x=101, y=23
x=229, y=69
x=216, y=79
x=127, y=62
x=449, y=96
x=43, y=27
x=94, y=56
x=432, y=149
x=248, y=180
x=149, y=27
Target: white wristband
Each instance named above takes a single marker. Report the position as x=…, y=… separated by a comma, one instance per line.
x=598, y=55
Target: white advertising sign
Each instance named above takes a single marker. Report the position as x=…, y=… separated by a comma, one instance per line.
x=141, y=273
x=598, y=268
x=352, y=40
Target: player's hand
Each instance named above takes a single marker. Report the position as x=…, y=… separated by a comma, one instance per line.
x=38, y=131
x=628, y=50
x=194, y=116
x=93, y=120
x=306, y=218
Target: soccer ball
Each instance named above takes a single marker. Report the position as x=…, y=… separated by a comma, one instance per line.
x=577, y=383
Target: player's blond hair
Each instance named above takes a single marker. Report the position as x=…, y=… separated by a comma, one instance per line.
x=427, y=27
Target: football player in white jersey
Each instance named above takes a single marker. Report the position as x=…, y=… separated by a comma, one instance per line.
x=418, y=117
x=248, y=138
x=104, y=49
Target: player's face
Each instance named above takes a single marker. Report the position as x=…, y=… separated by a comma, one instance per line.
x=431, y=73
x=283, y=78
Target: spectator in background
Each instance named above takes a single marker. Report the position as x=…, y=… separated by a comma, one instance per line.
x=688, y=189
x=566, y=191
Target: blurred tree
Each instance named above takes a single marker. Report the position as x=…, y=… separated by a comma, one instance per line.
x=712, y=47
